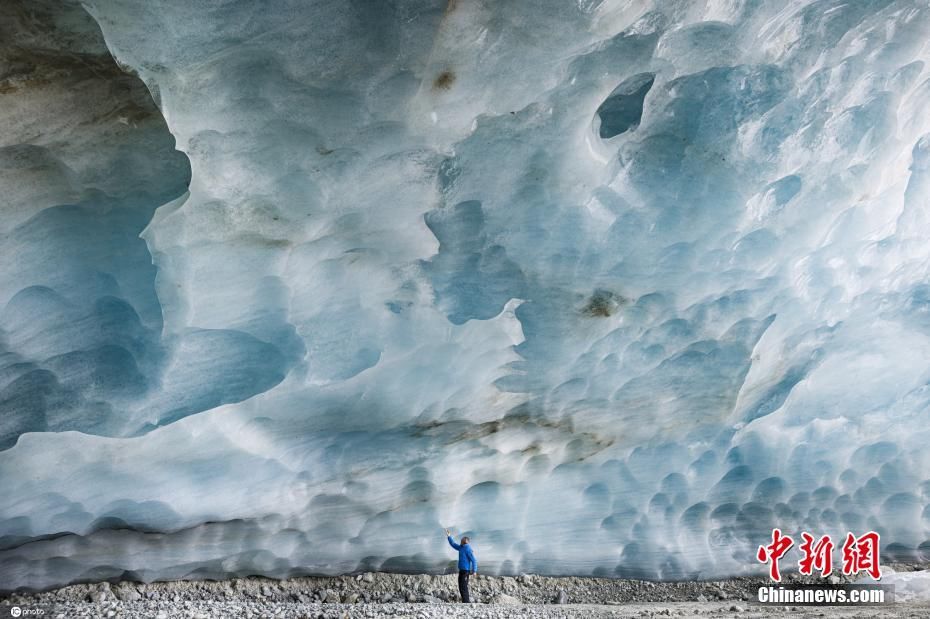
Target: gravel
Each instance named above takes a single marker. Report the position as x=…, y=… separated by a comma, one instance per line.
x=423, y=597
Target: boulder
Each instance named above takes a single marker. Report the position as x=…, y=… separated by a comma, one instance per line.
x=503, y=598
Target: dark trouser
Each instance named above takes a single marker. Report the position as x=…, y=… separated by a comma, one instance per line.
x=463, y=585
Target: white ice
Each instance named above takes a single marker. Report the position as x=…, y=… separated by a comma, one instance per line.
x=614, y=287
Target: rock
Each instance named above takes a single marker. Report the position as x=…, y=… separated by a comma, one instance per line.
x=331, y=597
x=351, y=598
x=266, y=591
x=430, y=599
x=368, y=577
x=161, y=615
x=386, y=598
x=701, y=598
x=411, y=597
x=127, y=593
x=503, y=598
x=736, y=609
x=101, y=593
x=562, y=597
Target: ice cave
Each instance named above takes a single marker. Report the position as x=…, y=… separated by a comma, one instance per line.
x=613, y=286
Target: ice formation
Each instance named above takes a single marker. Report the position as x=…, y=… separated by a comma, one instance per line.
x=616, y=287
x=908, y=586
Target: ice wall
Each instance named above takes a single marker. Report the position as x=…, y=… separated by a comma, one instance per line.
x=615, y=287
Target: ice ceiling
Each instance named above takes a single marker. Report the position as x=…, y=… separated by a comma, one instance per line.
x=286, y=287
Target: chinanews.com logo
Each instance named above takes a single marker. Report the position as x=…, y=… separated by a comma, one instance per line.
x=860, y=556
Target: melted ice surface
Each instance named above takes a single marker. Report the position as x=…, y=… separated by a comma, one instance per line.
x=614, y=287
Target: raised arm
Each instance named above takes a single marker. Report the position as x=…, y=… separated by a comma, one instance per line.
x=453, y=544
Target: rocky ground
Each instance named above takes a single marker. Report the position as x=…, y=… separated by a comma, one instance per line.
x=423, y=597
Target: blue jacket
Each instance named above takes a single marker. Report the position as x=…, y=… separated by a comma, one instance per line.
x=467, y=560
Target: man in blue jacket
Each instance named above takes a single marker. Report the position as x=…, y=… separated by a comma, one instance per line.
x=468, y=564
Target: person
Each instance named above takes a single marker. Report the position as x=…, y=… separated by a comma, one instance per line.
x=468, y=564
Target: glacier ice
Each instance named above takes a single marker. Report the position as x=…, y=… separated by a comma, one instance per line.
x=908, y=586
x=287, y=287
